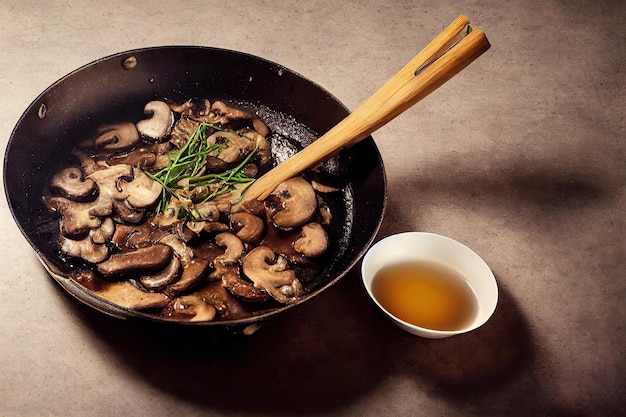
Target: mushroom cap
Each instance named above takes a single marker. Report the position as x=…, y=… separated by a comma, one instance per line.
x=84, y=248
x=248, y=227
x=148, y=259
x=292, y=203
x=160, y=124
x=71, y=183
x=142, y=191
x=117, y=136
x=234, y=249
x=271, y=273
x=193, y=308
x=237, y=146
x=164, y=277
x=124, y=294
x=313, y=242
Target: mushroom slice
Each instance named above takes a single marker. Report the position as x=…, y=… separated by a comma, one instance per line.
x=142, y=191
x=71, y=184
x=84, y=248
x=139, y=158
x=248, y=227
x=323, y=188
x=125, y=294
x=126, y=213
x=261, y=144
x=232, y=281
x=160, y=124
x=236, y=147
x=103, y=233
x=162, y=278
x=192, y=308
x=76, y=218
x=150, y=258
x=270, y=272
x=117, y=136
x=234, y=249
x=313, y=242
x=221, y=108
x=208, y=211
x=292, y=203
x=183, y=252
x=192, y=275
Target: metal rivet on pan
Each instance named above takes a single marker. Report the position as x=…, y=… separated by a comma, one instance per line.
x=41, y=113
x=130, y=63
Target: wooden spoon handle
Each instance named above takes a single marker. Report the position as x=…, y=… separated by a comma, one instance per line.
x=430, y=69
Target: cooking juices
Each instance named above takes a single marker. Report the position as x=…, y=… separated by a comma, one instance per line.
x=426, y=294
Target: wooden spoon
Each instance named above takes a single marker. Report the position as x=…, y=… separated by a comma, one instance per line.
x=439, y=61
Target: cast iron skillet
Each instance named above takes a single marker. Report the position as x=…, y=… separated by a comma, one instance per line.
x=116, y=88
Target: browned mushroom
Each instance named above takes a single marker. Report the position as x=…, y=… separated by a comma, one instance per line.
x=117, y=136
x=71, y=183
x=235, y=146
x=193, y=271
x=272, y=273
x=313, y=241
x=148, y=259
x=292, y=203
x=192, y=308
x=247, y=226
x=232, y=281
x=162, y=278
x=124, y=294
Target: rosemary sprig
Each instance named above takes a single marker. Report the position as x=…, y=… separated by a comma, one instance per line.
x=189, y=161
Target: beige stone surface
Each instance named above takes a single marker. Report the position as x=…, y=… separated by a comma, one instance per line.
x=521, y=157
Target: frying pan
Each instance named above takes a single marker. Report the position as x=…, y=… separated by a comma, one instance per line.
x=116, y=88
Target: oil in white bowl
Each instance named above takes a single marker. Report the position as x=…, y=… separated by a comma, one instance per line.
x=426, y=294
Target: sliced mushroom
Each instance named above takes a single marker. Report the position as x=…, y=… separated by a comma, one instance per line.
x=124, y=294
x=261, y=145
x=117, y=136
x=160, y=124
x=272, y=273
x=292, y=203
x=183, y=252
x=103, y=233
x=87, y=163
x=162, y=278
x=232, y=281
x=248, y=227
x=313, y=242
x=236, y=147
x=84, y=248
x=221, y=108
x=325, y=214
x=142, y=191
x=124, y=212
x=323, y=188
x=192, y=308
x=233, y=251
x=208, y=211
x=76, y=218
x=71, y=183
x=139, y=158
x=193, y=271
x=142, y=260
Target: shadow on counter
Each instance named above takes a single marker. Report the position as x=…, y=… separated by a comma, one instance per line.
x=322, y=356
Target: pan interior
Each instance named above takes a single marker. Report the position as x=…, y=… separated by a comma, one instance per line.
x=295, y=109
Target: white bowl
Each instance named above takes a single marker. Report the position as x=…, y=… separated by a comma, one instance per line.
x=429, y=247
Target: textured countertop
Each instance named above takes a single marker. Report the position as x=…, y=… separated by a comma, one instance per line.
x=521, y=157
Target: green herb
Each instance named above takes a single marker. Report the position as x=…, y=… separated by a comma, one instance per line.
x=187, y=165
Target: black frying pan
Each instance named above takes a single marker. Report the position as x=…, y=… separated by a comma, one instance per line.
x=116, y=88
